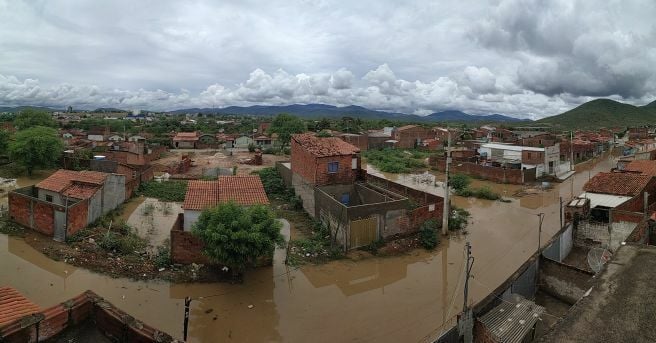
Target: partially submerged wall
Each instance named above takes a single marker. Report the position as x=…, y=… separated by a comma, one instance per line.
x=185, y=247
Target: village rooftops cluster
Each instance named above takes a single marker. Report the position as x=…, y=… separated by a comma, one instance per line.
x=75, y=184
x=324, y=146
x=242, y=189
x=626, y=184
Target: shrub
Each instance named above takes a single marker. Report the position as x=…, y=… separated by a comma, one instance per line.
x=427, y=235
x=396, y=161
x=165, y=190
x=486, y=192
x=459, y=182
x=163, y=256
x=458, y=219
x=251, y=147
x=269, y=151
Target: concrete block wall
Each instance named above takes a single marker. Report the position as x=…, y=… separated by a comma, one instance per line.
x=564, y=282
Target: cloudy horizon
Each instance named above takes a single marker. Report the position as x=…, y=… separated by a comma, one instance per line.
x=523, y=58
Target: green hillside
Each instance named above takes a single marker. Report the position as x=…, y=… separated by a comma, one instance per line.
x=603, y=113
x=650, y=105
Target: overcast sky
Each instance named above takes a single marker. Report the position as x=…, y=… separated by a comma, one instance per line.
x=526, y=58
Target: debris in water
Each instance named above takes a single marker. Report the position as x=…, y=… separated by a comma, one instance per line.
x=162, y=269
x=250, y=306
x=92, y=241
x=209, y=311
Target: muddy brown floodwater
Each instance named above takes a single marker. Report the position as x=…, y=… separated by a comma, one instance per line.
x=409, y=298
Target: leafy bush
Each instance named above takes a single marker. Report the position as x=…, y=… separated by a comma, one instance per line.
x=458, y=219
x=251, y=147
x=163, y=256
x=486, y=192
x=269, y=151
x=428, y=235
x=459, y=182
x=165, y=190
x=124, y=244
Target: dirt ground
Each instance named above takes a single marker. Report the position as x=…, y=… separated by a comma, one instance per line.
x=204, y=159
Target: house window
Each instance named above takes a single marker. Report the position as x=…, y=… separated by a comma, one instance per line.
x=333, y=167
x=48, y=198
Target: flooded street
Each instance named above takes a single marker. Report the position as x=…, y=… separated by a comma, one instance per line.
x=408, y=298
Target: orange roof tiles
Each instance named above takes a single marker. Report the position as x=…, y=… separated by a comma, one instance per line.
x=625, y=184
x=80, y=190
x=201, y=195
x=242, y=189
x=324, y=146
x=186, y=136
x=642, y=166
x=14, y=305
x=62, y=179
x=406, y=127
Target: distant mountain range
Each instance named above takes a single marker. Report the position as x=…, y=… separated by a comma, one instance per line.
x=316, y=111
x=604, y=113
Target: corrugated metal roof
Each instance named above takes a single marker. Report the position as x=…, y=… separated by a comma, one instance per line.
x=604, y=200
x=511, y=321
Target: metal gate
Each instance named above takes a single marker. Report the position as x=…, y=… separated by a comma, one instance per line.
x=60, y=226
x=363, y=232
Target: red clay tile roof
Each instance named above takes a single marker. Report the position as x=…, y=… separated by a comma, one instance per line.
x=201, y=195
x=63, y=178
x=324, y=146
x=406, y=127
x=79, y=190
x=642, y=166
x=242, y=189
x=14, y=305
x=186, y=136
x=626, y=184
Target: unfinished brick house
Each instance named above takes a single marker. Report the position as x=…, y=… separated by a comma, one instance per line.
x=66, y=201
x=245, y=190
x=325, y=173
x=186, y=140
x=411, y=136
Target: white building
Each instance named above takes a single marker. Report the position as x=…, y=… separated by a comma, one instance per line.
x=546, y=161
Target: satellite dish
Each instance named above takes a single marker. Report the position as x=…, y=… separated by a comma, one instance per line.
x=597, y=257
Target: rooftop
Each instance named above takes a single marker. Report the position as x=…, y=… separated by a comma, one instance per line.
x=621, y=303
x=642, y=166
x=14, y=305
x=186, y=136
x=628, y=184
x=510, y=322
x=63, y=179
x=324, y=146
x=242, y=189
x=510, y=147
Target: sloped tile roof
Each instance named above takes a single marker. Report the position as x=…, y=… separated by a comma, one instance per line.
x=201, y=195
x=406, y=127
x=63, y=178
x=186, y=136
x=81, y=191
x=324, y=146
x=242, y=189
x=628, y=184
x=642, y=166
x=14, y=305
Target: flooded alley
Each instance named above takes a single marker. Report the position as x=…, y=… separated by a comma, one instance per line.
x=409, y=298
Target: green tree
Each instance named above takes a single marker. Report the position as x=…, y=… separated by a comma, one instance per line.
x=36, y=147
x=4, y=142
x=30, y=118
x=237, y=236
x=285, y=125
x=459, y=182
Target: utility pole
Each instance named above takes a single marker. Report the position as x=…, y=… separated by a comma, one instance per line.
x=537, y=262
x=447, y=210
x=466, y=323
x=187, y=302
x=571, y=150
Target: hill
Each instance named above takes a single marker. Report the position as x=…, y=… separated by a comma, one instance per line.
x=459, y=116
x=603, y=113
x=650, y=105
x=21, y=108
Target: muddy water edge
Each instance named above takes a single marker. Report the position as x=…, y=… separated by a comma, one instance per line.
x=406, y=298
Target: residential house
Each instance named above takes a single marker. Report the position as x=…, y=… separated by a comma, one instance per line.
x=361, y=141
x=535, y=138
x=411, y=136
x=98, y=134
x=638, y=133
x=377, y=140
x=227, y=140
x=206, y=141
x=324, y=160
x=503, y=136
x=244, y=190
x=442, y=136
x=186, y=140
x=66, y=201
x=546, y=160
x=264, y=142
x=115, y=138
x=243, y=142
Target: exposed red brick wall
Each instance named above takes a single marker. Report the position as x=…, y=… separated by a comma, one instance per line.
x=407, y=138
x=44, y=217
x=185, y=247
x=77, y=217
x=494, y=174
x=303, y=163
x=360, y=141
x=532, y=157
x=315, y=170
x=19, y=209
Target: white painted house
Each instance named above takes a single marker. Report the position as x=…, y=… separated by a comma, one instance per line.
x=546, y=161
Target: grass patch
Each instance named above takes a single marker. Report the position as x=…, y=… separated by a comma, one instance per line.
x=317, y=247
x=460, y=184
x=396, y=160
x=165, y=190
